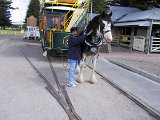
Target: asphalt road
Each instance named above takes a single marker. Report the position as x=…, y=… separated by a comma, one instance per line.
x=24, y=97
x=22, y=91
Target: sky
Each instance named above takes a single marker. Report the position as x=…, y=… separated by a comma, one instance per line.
x=19, y=14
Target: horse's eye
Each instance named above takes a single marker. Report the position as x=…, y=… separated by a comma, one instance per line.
x=102, y=24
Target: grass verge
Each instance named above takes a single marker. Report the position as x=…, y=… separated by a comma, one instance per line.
x=11, y=32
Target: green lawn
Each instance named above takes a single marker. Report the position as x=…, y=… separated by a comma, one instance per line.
x=10, y=32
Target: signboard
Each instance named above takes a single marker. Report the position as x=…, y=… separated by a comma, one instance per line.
x=32, y=21
x=139, y=43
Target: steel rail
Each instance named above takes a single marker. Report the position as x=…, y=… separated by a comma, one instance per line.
x=63, y=91
x=136, y=100
x=61, y=96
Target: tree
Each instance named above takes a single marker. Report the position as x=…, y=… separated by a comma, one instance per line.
x=99, y=6
x=33, y=9
x=5, y=6
x=141, y=4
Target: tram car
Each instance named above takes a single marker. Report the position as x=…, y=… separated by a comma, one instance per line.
x=56, y=19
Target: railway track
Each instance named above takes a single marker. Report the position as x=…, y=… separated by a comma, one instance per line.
x=61, y=94
x=63, y=99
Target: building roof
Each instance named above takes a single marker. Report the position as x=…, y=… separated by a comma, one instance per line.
x=127, y=16
x=91, y=16
x=153, y=14
x=118, y=12
x=137, y=23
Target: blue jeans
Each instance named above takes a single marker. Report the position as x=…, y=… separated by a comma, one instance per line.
x=72, y=71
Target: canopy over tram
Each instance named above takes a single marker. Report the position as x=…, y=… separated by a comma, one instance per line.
x=60, y=8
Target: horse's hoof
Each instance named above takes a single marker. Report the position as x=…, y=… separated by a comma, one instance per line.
x=80, y=80
x=93, y=81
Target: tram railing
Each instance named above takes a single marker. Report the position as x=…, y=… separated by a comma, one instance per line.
x=77, y=12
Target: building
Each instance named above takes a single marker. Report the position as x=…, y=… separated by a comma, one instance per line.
x=140, y=30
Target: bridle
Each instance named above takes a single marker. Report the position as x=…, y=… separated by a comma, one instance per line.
x=103, y=28
x=107, y=28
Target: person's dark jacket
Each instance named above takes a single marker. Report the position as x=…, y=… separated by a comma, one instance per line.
x=74, y=50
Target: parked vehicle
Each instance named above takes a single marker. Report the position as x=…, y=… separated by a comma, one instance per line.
x=32, y=33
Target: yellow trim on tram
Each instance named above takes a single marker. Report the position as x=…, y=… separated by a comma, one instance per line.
x=57, y=3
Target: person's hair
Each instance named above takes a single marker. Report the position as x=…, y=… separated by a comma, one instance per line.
x=73, y=29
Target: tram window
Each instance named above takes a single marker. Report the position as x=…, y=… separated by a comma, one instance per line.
x=49, y=22
x=62, y=20
x=52, y=22
x=55, y=22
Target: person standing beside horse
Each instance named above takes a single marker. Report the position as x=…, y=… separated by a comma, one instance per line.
x=74, y=54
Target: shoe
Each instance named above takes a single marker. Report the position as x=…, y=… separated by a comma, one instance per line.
x=71, y=85
x=76, y=83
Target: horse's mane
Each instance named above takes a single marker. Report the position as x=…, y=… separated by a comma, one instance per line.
x=93, y=24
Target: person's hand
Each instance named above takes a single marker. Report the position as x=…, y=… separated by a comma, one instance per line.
x=90, y=32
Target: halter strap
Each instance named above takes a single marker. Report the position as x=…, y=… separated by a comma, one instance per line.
x=107, y=31
x=93, y=44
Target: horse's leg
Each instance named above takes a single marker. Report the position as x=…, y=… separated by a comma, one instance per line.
x=80, y=75
x=93, y=77
x=78, y=70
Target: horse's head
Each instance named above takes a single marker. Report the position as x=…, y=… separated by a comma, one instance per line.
x=101, y=26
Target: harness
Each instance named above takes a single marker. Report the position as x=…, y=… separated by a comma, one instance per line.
x=99, y=36
x=95, y=42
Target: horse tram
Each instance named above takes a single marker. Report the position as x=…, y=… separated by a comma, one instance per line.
x=59, y=16
x=56, y=19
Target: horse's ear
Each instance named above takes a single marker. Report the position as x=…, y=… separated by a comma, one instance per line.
x=103, y=13
x=110, y=14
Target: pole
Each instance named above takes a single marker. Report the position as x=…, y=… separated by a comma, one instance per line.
x=21, y=20
x=91, y=11
x=149, y=37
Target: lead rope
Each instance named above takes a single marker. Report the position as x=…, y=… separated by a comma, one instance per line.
x=87, y=65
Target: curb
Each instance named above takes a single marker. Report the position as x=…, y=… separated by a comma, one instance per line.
x=129, y=95
x=140, y=72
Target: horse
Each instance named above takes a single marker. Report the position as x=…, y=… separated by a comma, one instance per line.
x=101, y=26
